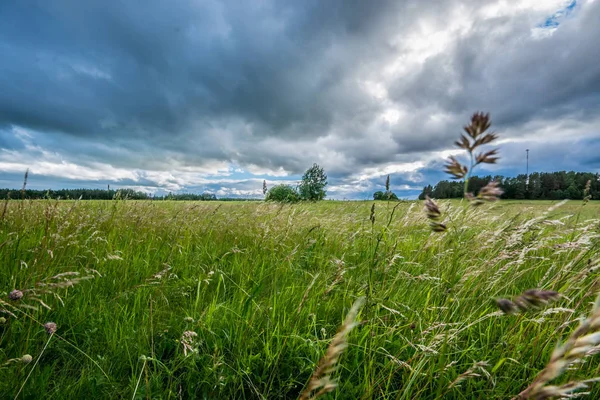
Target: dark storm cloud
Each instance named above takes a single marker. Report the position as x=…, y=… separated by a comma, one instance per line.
x=353, y=85
x=103, y=70
x=96, y=68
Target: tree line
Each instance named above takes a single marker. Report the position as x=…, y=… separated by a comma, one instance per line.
x=311, y=188
x=537, y=186
x=98, y=194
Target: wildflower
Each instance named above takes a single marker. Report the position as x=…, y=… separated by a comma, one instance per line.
x=15, y=295
x=50, y=327
x=188, y=340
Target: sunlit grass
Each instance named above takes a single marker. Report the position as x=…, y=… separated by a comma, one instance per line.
x=241, y=300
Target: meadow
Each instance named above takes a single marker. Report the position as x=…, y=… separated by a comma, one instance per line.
x=170, y=300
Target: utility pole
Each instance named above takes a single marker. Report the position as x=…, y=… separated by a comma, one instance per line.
x=527, y=170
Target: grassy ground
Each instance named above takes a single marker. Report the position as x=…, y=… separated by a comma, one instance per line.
x=264, y=287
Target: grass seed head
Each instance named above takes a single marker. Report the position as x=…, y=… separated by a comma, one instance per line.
x=456, y=169
x=490, y=192
x=475, y=371
x=372, y=215
x=431, y=208
x=433, y=214
x=438, y=227
x=529, y=300
x=507, y=306
x=580, y=344
x=586, y=192
x=480, y=123
x=321, y=381
x=476, y=137
x=486, y=158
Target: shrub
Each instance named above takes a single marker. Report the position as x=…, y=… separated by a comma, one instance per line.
x=387, y=195
x=282, y=193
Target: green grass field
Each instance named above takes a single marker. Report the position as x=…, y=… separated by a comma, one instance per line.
x=264, y=287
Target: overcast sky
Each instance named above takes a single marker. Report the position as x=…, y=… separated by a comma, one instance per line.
x=197, y=96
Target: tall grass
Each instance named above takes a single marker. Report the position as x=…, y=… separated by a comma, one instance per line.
x=242, y=300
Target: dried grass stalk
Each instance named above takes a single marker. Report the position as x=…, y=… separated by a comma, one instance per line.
x=339, y=276
x=579, y=345
x=321, y=381
x=475, y=371
x=586, y=192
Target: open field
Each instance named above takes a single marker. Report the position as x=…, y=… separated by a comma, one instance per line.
x=264, y=287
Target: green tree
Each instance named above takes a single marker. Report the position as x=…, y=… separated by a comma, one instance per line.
x=313, y=184
x=283, y=194
x=573, y=192
x=427, y=191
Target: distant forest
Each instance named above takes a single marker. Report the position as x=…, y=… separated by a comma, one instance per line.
x=541, y=186
x=100, y=194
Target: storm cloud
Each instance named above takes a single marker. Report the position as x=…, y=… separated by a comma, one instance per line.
x=219, y=95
